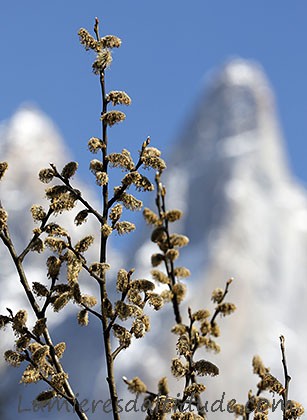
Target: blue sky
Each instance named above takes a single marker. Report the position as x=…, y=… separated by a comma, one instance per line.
x=168, y=48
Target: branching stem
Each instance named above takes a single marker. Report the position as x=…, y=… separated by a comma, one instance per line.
x=103, y=250
x=5, y=236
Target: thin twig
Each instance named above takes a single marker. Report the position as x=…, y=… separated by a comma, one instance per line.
x=160, y=202
x=286, y=375
x=200, y=407
x=123, y=297
x=217, y=310
x=36, y=235
x=118, y=350
x=92, y=311
x=5, y=236
x=71, y=400
x=86, y=204
x=123, y=187
x=45, y=379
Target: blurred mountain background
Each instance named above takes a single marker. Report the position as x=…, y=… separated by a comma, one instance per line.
x=245, y=215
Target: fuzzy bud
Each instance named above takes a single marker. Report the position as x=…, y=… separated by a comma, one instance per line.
x=136, y=386
x=173, y=215
x=178, y=368
x=13, y=358
x=122, y=280
x=116, y=212
x=69, y=170
x=121, y=160
x=124, y=227
x=106, y=230
x=87, y=40
x=226, y=308
x=84, y=244
x=113, y=117
x=46, y=175
x=150, y=217
x=3, y=168
x=204, y=367
x=38, y=213
x=83, y=318
x=118, y=98
x=103, y=60
x=94, y=144
x=81, y=217
x=3, y=219
x=110, y=41
x=129, y=201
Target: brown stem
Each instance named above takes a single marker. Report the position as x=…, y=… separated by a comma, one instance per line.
x=286, y=375
x=98, y=315
x=103, y=251
x=122, y=299
x=160, y=202
x=35, y=236
x=217, y=311
x=200, y=406
x=117, y=351
x=124, y=186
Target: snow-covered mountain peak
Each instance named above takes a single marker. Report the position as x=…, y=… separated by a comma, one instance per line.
x=234, y=131
x=240, y=72
x=32, y=137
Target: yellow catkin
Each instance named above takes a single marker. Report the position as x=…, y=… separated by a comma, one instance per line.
x=3, y=168
x=136, y=386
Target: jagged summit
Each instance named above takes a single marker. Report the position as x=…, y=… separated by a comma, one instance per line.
x=235, y=119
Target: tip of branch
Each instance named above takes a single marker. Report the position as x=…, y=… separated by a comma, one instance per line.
x=145, y=143
x=10, y=312
x=96, y=27
x=230, y=281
